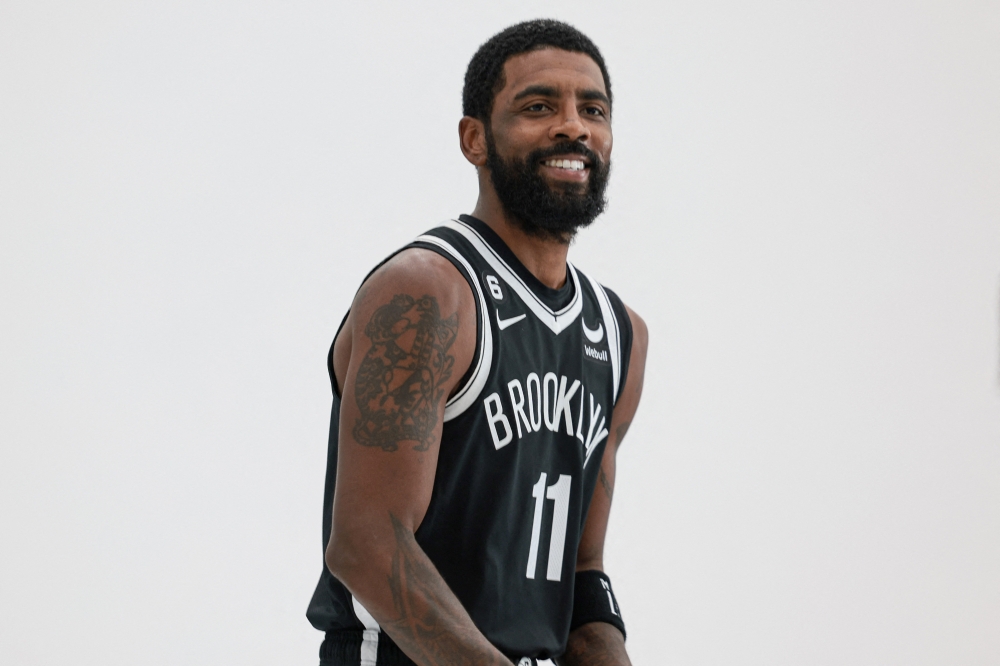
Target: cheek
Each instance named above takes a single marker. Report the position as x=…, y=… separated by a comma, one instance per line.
x=521, y=139
x=517, y=135
x=602, y=142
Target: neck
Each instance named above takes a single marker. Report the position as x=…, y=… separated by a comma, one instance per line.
x=545, y=258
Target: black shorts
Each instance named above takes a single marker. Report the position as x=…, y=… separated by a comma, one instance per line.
x=354, y=647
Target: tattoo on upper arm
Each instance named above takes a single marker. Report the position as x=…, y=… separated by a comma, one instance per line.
x=400, y=381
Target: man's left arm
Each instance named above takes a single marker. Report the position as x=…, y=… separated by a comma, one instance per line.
x=600, y=643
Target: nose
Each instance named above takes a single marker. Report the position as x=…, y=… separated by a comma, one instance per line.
x=570, y=127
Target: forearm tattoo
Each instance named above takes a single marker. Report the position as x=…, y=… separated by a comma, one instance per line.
x=423, y=625
x=620, y=433
x=607, y=484
x=400, y=382
x=595, y=644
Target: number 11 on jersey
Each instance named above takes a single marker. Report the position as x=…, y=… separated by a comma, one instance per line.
x=559, y=492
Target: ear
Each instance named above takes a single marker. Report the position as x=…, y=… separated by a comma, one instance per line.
x=472, y=139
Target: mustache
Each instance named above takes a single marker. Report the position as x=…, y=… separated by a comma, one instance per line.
x=565, y=148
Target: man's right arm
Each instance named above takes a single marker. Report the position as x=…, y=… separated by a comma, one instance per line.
x=409, y=338
x=599, y=643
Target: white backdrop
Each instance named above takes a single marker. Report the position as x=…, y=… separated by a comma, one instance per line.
x=805, y=208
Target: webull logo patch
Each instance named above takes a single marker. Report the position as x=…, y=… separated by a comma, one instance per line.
x=597, y=355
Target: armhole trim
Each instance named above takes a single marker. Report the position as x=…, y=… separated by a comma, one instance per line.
x=614, y=333
x=329, y=356
x=469, y=393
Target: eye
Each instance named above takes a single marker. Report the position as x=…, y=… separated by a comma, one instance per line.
x=537, y=107
x=594, y=111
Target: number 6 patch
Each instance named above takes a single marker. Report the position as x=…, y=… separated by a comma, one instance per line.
x=494, y=286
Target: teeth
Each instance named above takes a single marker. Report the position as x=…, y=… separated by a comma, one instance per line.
x=572, y=165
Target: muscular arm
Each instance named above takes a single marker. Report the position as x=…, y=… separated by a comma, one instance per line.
x=598, y=643
x=409, y=338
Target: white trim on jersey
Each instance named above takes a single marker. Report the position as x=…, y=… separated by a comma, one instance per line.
x=556, y=321
x=614, y=334
x=469, y=393
x=369, y=638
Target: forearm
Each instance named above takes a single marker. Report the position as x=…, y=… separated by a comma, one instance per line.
x=595, y=644
x=414, y=605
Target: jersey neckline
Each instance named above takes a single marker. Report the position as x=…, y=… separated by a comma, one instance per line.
x=554, y=299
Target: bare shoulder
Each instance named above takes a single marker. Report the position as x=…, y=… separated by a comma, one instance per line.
x=640, y=337
x=419, y=302
x=632, y=392
x=416, y=269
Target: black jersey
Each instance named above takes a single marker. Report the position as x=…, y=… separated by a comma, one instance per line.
x=520, y=454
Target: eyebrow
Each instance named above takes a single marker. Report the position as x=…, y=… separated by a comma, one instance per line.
x=544, y=91
x=595, y=95
x=549, y=91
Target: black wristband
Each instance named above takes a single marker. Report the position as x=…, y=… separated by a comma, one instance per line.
x=593, y=601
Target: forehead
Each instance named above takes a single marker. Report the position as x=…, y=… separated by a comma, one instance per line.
x=551, y=67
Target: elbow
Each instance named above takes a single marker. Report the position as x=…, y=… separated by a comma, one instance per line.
x=331, y=558
x=341, y=556
x=361, y=548
x=352, y=553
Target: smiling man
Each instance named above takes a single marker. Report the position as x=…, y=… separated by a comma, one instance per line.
x=482, y=387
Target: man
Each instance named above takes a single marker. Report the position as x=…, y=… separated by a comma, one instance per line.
x=482, y=386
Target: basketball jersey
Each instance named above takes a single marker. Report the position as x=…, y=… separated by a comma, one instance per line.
x=520, y=454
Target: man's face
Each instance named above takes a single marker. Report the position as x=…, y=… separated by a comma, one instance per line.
x=549, y=142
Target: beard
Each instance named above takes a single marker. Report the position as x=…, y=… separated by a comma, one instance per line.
x=548, y=211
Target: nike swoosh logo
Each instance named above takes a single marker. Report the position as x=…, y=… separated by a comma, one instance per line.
x=595, y=335
x=504, y=323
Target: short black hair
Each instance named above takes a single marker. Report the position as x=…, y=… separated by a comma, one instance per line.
x=484, y=77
